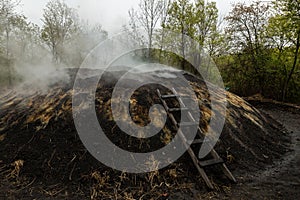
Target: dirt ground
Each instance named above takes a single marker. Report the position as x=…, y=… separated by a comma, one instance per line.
x=281, y=180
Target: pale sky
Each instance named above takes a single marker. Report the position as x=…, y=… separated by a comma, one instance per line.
x=111, y=14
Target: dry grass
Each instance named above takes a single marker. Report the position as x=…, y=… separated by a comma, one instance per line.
x=167, y=137
x=101, y=179
x=2, y=137
x=16, y=170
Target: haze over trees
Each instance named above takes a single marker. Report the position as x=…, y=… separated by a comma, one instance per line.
x=63, y=40
x=60, y=23
x=256, y=46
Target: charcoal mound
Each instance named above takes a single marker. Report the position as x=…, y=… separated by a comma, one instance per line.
x=42, y=155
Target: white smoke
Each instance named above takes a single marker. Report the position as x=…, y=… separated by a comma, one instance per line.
x=40, y=77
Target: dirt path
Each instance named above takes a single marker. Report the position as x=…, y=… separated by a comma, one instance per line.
x=282, y=180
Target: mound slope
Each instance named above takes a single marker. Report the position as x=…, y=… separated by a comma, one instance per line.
x=42, y=155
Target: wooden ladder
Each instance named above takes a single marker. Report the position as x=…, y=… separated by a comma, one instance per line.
x=200, y=164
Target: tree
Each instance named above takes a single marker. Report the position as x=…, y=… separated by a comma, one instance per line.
x=289, y=15
x=247, y=31
x=215, y=42
x=133, y=28
x=206, y=16
x=81, y=44
x=181, y=19
x=150, y=13
x=207, y=35
x=60, y=23
x=198, y=21
x=8, y=19
x=161, y=34
x=147, y=17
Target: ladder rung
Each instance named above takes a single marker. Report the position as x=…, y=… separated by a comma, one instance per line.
x=211, y=162
x=169, y=96
x=178, y=109
x=182, y=124
x=198, y=141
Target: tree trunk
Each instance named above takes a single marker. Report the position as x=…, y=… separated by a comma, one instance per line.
x=183, y=48
x=8, y=60
x=285, y=90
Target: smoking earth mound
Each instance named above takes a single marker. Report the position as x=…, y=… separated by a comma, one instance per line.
x=42, y=155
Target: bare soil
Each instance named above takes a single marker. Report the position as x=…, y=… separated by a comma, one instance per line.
x=282, y=179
